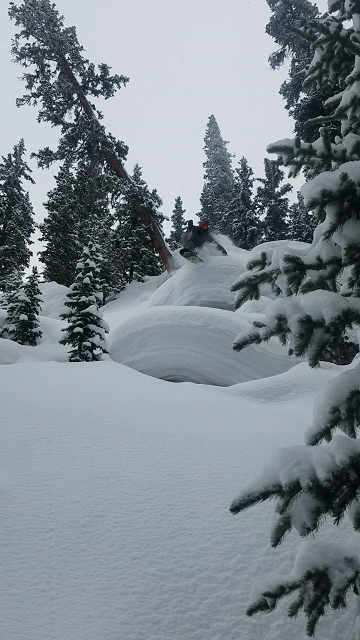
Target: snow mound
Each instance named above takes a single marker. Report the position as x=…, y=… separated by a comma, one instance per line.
x=48, y=348
x=255, y=306
x=201, y=285
x=53, y=297
x=299, y=382
x=183, y=344
x=269, y=247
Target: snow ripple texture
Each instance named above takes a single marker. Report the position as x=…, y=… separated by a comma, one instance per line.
x=115, y=486
x=192, y=344
x=186, y=331
x=114, y=498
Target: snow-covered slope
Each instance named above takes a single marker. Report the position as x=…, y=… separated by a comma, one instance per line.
x=193, y=344
x=115, y=490
x=185, y=330
x=202, y=285
x=115, y=485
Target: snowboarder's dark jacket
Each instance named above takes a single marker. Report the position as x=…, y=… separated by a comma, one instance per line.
x=195, y=237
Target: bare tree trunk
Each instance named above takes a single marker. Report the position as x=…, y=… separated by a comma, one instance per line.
x=114, y=162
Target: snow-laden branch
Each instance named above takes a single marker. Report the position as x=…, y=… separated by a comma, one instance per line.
x=308, y=324
x=322, y=577
x=308, y=484
x=337, y=408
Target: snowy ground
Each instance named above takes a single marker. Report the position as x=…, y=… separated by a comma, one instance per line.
x=115, y=485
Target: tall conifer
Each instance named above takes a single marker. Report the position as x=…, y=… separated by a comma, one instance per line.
x=302, y=222
x=86, y=330
x=22, y=322
x=241, y=220
x=61, y=82
x=16, y=214
x=60, y=229
x=272, y=203
x=81, y=209
x=130, y=238
x=303, y=103
x=178, y=224
x=218, y=177
x=319, y=306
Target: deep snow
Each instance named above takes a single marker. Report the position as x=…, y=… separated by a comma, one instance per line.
x=115, y=485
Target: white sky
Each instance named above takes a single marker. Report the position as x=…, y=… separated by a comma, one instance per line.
x=186, y=60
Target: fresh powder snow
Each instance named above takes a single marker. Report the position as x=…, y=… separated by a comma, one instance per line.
x=116, y=483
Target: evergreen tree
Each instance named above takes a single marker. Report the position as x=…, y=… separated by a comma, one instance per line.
x=303, y=102
x=272, y=203
x=86, y=330
x=58, y=80
x=81, y=209
x=132, y=244
x=218, y=177
x=112, y=278
x=241, y=220
x=22, y=321
x=11, y=301
x=30, y=326
x=11, y=286
x=16, y=214
x=178, y=224
x=301, y=223
x=320, y=286
x=60, y=230
x=12, y=283
x=288, y=16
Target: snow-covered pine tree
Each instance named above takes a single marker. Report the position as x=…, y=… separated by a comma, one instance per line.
x=303, y=103
x=10, y=300
x=288, y=15
x=130, y=238
x=22, y=322
x=272, y=203
x=218, y=177
x=61, y=83
x=241, y=220
x=81, y=209
x=311, y=483
x=60, y=230
x=16, y=214
x=302, y=223
x=86, y=330
x=178, y=224
x=29, y=328
x=112, y=279
x=13, y=282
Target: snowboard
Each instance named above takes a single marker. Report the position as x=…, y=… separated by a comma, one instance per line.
x=190, y=255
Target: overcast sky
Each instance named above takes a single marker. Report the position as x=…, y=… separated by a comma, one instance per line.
x=186, y=60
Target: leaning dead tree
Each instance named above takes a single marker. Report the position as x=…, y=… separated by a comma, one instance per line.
x=59, y=81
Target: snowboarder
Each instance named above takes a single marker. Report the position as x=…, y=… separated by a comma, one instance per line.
x=195, y=237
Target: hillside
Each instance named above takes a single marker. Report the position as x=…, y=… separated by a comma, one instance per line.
x=116, y=482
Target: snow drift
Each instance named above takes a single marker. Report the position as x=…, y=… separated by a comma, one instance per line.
x=115, y=486
x=202, y=285
x=193, y=344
